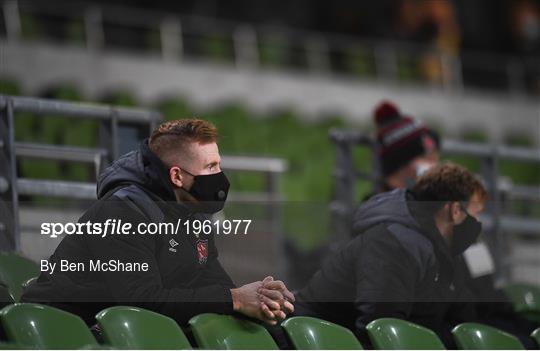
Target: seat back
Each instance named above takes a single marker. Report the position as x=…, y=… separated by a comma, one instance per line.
x=224, y=332
x=475, y=336
x=526, y=300
x=28, y=282
x=5, y=296
x=45, y=327
x=392, y=334
x=308, y=333
x=525, y=297
x=137, y=328
x=15, y=270
x=536, y=336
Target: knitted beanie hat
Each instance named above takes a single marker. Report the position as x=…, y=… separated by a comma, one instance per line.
x=400, y=138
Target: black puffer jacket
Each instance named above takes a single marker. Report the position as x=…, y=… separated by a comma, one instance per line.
x=184, y=278
x=397, y=266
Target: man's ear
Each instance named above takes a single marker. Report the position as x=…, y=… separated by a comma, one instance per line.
x=455, y=211
x=175, y=175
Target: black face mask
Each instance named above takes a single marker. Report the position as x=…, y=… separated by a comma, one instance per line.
x=210, y=190
x=465, y=234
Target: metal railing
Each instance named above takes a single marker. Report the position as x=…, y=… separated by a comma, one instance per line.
x=247, y=46
x=497, y=225
x=112, y=119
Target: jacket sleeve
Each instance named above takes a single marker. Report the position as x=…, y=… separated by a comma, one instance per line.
x=145, y=288
x=386, y=276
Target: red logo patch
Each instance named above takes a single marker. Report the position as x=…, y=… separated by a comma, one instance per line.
x=202, y=251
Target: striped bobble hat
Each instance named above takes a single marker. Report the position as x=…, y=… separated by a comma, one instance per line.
x=400, y=138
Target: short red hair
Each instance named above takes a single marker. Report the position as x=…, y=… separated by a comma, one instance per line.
x=170, y=137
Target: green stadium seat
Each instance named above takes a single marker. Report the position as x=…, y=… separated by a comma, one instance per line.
x=5, y=296
x=136, y=328
x=45, y=327
x=26, y=283
x=475, y=336
x=394, y=334
x=14, y=270
x=536, y=336
x=223, y=332
x=526, y=299
x=308, y=333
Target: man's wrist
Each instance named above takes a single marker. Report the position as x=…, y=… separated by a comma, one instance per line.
x=235, y=300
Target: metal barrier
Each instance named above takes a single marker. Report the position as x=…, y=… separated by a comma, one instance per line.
x=496, y=224
x=246, y=46
x=111, y=119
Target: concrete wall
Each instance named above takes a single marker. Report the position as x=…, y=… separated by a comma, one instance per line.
x=38, y=65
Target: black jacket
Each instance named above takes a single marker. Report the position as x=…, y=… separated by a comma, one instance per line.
x=397, y=266
x=181, y=281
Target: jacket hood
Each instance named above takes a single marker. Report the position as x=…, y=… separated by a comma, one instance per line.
x=141, y=168
x=390, y=206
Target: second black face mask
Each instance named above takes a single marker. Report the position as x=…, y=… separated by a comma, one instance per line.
x=465, y=234
x=211, y=191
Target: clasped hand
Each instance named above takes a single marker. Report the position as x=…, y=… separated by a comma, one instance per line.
x=268, y=300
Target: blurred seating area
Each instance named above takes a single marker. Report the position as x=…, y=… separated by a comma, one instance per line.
x=415, y=42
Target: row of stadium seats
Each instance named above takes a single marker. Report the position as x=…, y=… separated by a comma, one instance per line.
x=32, y=325
x=43, y=327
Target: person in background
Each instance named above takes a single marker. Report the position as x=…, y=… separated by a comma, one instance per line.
x=401, y=262
x=405, y=147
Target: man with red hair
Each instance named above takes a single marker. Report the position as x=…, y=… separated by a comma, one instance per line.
x=174, y=176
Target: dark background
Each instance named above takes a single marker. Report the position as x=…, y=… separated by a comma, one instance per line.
x=492, y=25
